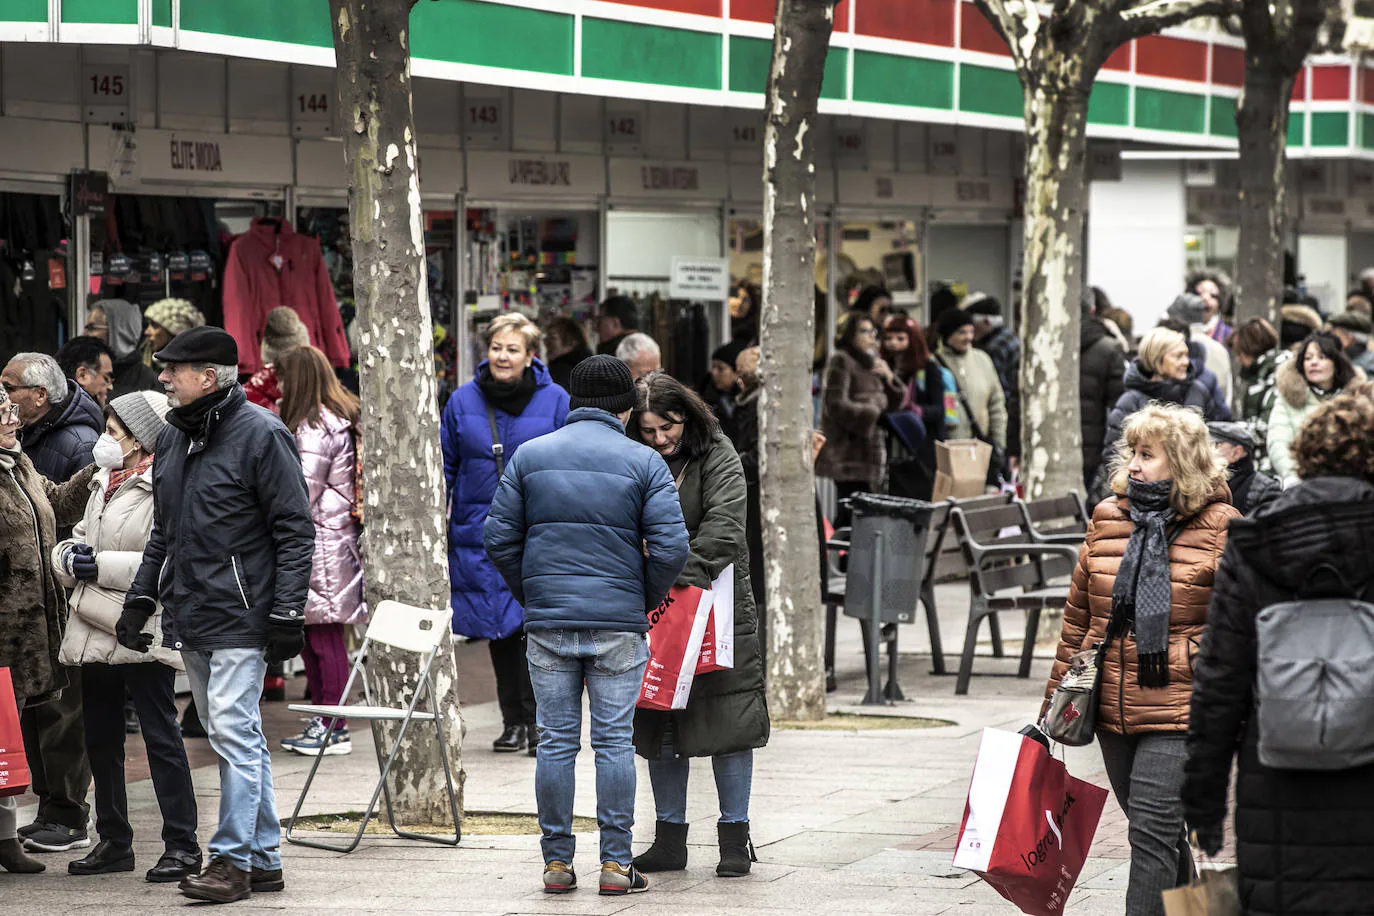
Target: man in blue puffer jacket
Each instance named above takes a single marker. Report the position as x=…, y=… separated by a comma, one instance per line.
x=587, y=531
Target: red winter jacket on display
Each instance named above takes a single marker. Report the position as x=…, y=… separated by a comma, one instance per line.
x=254, y=285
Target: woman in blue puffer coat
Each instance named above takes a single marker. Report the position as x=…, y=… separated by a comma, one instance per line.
x=511, y=401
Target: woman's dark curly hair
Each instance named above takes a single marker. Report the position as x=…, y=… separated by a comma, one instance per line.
x=660, y=393
x=1338, y=438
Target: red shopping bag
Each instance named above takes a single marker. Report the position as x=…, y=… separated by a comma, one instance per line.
x=14, y=767
x=676, y=628
x=718, y=643
x=1028, y=824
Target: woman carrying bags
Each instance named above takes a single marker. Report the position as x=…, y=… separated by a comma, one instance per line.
x=727, y=714
x=1140, y=592
x=323, y=415
x=99, y=562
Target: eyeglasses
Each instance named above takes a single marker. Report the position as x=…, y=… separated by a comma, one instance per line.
x=869, y=332
x=23, y=387
x=92, y=326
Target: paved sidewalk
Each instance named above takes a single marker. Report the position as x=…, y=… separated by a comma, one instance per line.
x=845, y=821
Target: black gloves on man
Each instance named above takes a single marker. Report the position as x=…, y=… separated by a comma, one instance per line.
x=285, y=636
x=129, y=629
x=1210, y=837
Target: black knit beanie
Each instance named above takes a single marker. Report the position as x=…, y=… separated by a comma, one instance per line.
x=604, y=382
x=950, y=321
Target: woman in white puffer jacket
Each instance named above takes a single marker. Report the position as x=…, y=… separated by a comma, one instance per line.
x=99, y=562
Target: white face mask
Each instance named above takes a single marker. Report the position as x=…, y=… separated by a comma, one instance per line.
x=108, y=453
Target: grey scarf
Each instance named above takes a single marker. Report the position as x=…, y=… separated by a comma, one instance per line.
x=1141, y=594
x=8, y=458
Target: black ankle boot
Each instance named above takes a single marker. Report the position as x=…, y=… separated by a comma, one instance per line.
x=669, y=852
x=511, y=740
x=736, y=851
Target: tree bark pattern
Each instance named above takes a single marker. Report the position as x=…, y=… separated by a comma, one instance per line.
x=404, y=545
x=1058, y=49
x=795, y=631
x=1278, y=38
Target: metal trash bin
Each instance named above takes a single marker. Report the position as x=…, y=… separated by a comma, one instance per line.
x=886, y=567
x=888, y=543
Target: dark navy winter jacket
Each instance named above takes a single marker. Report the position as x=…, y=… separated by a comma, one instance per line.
x=232, y=542
x=574, y=517
x=60, y=444
x=482, y=606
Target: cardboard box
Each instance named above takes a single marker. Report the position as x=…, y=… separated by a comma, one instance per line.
x=961, y=469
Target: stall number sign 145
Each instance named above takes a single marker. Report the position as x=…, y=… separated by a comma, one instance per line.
x=105, y=84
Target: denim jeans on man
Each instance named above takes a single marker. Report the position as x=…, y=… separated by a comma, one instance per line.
x=612, y=665
x=668, y=774
x=226, y=685
x=1146, y=773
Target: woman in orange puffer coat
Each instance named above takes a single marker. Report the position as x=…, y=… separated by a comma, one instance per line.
x=1142, y=587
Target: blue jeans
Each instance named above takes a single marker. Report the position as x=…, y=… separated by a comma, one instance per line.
x=226, y=685
x=612, y=666
x=668, y=775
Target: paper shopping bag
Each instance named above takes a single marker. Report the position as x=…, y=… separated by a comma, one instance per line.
x=1212, y=893
x=676, y=628
x=718, y=643
x=1027, y=824
x=14, y=767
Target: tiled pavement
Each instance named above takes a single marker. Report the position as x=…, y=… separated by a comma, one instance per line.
x=845, y=821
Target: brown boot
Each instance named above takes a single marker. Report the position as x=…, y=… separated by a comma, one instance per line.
x=221, y=882
x=13, y=859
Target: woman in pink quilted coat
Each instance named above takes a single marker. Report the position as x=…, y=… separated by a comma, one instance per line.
x=324, y=417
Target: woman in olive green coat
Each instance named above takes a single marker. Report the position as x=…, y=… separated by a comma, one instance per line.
x=727, y=714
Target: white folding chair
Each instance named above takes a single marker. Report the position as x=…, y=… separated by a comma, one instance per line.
x=409, y=629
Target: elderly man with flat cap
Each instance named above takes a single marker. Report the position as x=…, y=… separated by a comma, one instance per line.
x=229, y=558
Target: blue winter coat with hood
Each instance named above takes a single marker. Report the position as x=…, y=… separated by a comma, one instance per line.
x=482, y=605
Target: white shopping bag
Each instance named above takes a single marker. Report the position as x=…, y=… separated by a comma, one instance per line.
x=718, y=643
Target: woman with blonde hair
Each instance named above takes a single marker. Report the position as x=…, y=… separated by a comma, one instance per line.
x=511, y=400
x=1161, y=372
x=1139, y=602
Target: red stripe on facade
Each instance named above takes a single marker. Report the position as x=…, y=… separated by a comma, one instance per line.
x=1175, y=58
x=1300, y=86
x=699, y=7
x=1367, y=85
x=927, y=21
x=977, y=34
x=1330, y=84
x=1228, y=66
x=1120, y=59
x=762, y=10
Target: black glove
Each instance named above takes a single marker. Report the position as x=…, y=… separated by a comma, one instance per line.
x=1210, y=837
x=284, y=640
x=82, y=563
x=129, y=629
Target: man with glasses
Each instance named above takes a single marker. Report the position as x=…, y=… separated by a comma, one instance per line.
x=89, y=363
x=59, y=423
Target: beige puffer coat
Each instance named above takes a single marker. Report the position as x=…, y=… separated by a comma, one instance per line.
x=118, y=531
x=1125, y=707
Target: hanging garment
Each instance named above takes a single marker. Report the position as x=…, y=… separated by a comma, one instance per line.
x=273, y=265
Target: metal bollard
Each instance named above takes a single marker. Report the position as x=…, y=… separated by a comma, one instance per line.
x=875, y=696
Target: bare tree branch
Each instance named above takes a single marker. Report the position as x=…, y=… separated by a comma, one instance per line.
x=1155, y=16
x=1018, y=22
x=1307, y=18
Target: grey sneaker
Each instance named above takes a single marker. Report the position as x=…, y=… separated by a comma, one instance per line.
x=56, y=838
x=617, y=880
x=559, y=878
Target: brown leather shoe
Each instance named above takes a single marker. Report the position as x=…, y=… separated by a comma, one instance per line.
x=266, y=880
x=221, y=882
